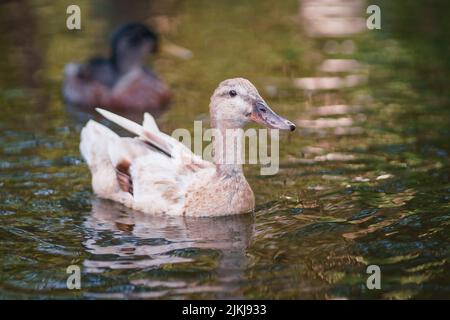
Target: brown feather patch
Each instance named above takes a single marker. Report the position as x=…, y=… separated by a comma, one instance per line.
x=124, y=177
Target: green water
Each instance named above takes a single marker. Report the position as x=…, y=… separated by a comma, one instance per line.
x=369, y=185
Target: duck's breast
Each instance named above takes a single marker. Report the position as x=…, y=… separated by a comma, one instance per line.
x=213, y=195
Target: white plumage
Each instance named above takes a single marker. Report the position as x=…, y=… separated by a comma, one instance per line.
x=159, y=182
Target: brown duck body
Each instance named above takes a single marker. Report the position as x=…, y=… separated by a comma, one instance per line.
x=137, y=90
x=120, y=82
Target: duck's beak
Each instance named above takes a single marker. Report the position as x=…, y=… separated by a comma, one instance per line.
x=262, y=114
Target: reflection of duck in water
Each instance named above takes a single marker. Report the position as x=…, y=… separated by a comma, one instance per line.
x=120, y=82
x=134, y=232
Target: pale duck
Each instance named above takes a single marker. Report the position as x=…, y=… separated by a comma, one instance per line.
x=155, y=173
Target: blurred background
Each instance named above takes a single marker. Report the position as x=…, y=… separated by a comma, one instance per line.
x=364, y=180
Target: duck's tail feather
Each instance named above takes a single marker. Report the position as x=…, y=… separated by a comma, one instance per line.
x=150, y=123
x=128, y=125
x=153, y=137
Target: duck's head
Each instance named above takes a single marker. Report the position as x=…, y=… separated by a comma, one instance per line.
x=131, y=43
x=236, y=102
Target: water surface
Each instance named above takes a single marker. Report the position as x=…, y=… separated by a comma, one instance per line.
x=364, y=180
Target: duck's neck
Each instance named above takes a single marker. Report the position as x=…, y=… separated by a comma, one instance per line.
x=227, y=148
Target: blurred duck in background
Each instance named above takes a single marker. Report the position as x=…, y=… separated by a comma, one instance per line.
x=121, y=82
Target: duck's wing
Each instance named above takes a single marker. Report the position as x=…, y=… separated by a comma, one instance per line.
x=109, y=157
x=155, y=166
x=151, y=173
x=150, y=133
x=154, y=138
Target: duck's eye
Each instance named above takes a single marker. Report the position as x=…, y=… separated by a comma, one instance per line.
x=232, y=93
